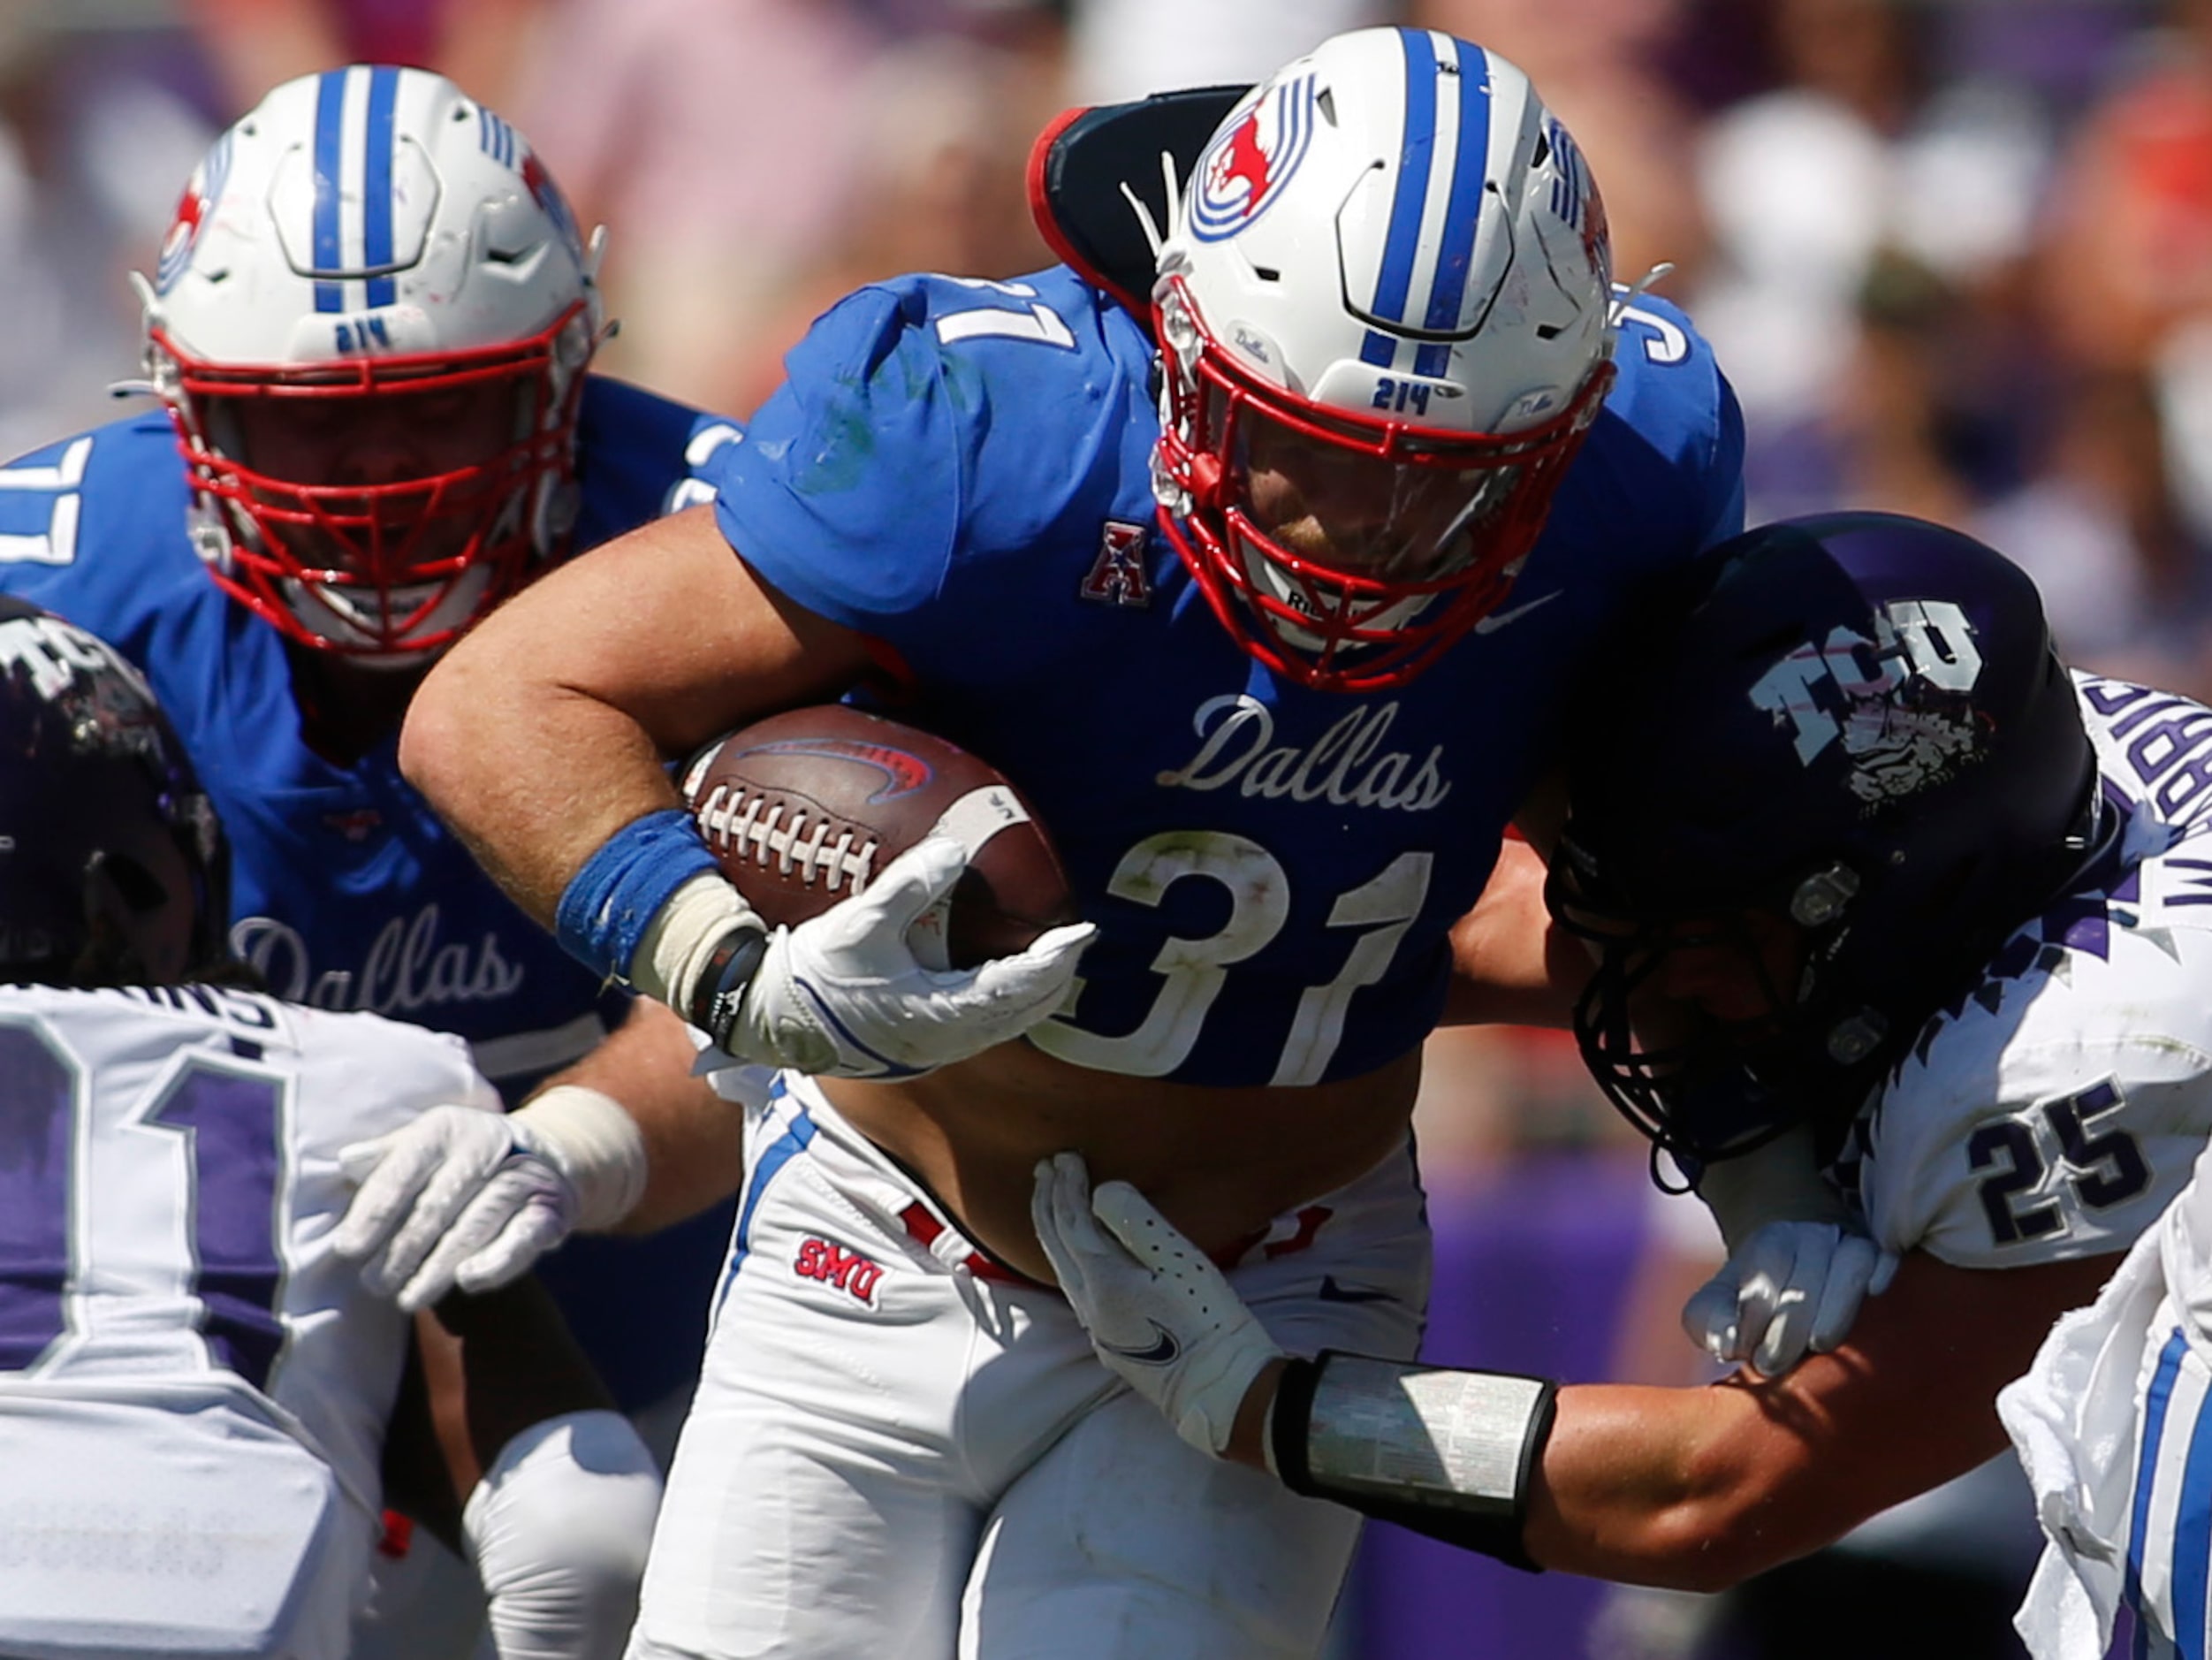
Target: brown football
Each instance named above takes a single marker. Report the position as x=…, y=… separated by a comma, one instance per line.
x=807, y=807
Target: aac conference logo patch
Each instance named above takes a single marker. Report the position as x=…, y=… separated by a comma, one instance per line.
x=1245, y=169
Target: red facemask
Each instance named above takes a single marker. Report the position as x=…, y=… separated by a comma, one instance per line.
x=1347, y=554
x=379, y=506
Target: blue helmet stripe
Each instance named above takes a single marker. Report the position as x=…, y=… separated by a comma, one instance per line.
x=1417, y=154
x=1462, y=208
x=384, y=94
x=329, y=111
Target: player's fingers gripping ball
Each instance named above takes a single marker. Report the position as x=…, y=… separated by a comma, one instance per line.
x=806, y=809
x=918, y=912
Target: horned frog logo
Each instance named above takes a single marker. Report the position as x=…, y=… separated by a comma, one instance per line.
x=1872, y=696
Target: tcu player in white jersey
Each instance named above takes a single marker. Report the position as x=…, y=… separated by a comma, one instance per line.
x=198, y=1397
x=1950, y=907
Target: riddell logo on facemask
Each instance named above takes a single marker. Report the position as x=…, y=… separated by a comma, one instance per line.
x=847, y=1270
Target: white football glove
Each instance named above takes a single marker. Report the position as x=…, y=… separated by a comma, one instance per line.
x=843, y=995
x=1790, y=1290
x=1800, y=1262
x=1161, y=1315
x=465, y=1197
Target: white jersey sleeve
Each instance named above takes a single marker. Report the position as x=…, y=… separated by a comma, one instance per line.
x=2054, y=1109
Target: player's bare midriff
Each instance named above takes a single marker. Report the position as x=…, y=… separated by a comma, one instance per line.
x=1221, y=1162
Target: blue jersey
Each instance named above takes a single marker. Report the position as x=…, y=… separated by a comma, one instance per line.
x=347, y=891
x=961, y=470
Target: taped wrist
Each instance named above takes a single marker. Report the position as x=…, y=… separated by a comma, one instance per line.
x=682, y=954
x=609, y=904
x=592, y=1141
x=1447, y=1453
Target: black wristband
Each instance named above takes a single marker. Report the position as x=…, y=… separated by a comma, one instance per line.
x=1499, y=1420
x=720, y=987
x=1287, y=1425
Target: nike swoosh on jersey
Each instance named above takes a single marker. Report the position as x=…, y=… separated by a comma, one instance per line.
x=1334, y=1290
x=1161, y=1353
x=1497, y=620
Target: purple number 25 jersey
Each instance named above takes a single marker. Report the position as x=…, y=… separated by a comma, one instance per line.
x=962, y=471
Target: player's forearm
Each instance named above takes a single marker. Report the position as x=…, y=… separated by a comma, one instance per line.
x=1692, y=1488
x=1509, y=964
x=531, y=774
x=694, y=1140
x=1689, y=1488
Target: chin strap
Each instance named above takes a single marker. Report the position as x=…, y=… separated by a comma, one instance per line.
x=1447, y=1453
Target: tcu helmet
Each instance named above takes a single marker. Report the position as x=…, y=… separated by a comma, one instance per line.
x=368, y=240
x=113, y=868
x=1857, y=731
x=1384, y=308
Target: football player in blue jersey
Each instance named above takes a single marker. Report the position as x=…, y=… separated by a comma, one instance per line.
x=1948, y=905
x=202, y=1410
x=370, y=330
x=1262, y=562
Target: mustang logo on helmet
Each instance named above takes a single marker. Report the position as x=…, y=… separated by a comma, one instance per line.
x=1247, y=166
x=547, y=195
x=201, y=191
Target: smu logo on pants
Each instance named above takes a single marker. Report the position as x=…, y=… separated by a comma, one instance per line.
x=847, y=1270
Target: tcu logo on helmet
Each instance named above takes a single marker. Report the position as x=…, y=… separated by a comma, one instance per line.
x=1856, y=689
x=1246, y=167
x=848, y=1271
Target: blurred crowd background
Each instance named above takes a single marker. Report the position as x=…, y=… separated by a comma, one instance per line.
x=1956, y=255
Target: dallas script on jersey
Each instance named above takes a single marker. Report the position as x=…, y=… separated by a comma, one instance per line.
x=1347, y=765
x=406, y=969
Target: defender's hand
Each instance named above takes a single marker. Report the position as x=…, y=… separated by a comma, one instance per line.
x=1791, y=1289
x=1161, y=1315
x=843, y=995
x=465, y=1197
x=1800, y=1261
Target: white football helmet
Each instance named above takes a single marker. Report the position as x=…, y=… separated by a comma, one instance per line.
x=1384, y=314
x=370, y=322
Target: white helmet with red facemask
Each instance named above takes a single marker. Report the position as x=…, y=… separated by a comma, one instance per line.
x=1384, y=312
x=370, y=322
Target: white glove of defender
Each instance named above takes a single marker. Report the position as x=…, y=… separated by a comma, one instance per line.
x=1791, y=1289
x=843, y=995
x=465, y=1197
x=1161, y=1315
x=1799, y=1265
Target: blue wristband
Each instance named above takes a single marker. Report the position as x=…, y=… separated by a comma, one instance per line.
x=607, y=906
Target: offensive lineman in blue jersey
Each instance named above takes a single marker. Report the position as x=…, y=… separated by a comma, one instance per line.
x=371, y=324
x=1277, y=673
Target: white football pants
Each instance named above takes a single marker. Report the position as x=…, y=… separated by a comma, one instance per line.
x=898, y=1451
